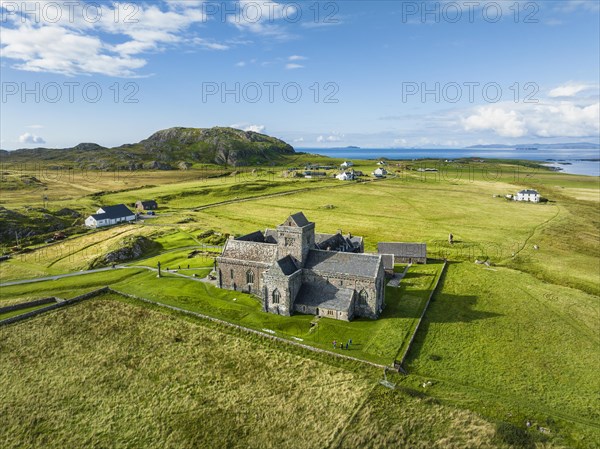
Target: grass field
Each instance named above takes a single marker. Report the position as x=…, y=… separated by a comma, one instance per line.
x=512, y=342
x=127, y=376
x=375, y=340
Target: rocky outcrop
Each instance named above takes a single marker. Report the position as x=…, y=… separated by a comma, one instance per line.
x=128, y=249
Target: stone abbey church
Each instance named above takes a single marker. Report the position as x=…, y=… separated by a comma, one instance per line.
x=294, y=269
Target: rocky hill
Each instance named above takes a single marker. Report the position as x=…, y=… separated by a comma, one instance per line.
x=169, y=149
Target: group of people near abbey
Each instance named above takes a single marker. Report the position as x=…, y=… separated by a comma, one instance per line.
x=294, y=269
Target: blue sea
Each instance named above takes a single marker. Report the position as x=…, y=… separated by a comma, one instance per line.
x=581, y=162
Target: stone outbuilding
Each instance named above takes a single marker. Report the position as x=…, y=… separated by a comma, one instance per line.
x=403, y=252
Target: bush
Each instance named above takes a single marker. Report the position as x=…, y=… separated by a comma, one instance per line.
x=513, y=435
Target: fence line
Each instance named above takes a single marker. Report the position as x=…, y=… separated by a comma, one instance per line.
x=27, y=305
x=57, y=305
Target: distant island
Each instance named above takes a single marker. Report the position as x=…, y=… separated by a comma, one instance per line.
x=543, y=146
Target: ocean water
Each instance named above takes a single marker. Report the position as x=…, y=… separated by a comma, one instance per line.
x=581, y=162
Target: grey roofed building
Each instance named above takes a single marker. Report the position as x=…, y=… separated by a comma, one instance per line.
x=404, y=252
x=146, y=205
x=290, y=272
x=366, y=265
x=116, y=211
x=339, y=242
x=249, y=251
x=109, y=215
x=327, y=299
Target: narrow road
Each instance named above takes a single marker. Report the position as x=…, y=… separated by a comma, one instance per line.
x=58, y=276
x=99, y=270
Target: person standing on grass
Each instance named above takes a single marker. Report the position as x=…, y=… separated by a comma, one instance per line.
x=346, y=346
x=334, y=344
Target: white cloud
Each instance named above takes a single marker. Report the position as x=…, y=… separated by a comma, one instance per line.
x=246, y=127
x=299, y=140
x=573, y=5
x=293, y=66
x=569, y=90
x=35, y=126
x=562, y=119
x=330, y=138
x=112, y=45
x=30, y=139
x=240, y=64
x=297, y=58
x=506, y=123
x=261, y=17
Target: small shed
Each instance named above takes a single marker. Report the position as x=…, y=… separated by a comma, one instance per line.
x=146, y=205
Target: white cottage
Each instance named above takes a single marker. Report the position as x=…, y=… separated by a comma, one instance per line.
x=346, y=164
x=345, y=176
x=109, y=215
x=380, y=172
x=528, y=195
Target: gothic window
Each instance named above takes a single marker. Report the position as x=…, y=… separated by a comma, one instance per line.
x=276, y=297
x=231, y=273
x=249, y=277
x=289, y=241
x=363, y=296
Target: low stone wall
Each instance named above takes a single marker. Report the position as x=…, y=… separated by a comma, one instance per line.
x=27, y=305
x=57, y=305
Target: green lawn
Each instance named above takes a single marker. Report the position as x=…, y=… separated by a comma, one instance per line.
x=502, y=341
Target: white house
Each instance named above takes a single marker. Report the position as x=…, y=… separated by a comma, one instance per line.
x=109, y=215
x=528, y=195
x=382, y=163
x=345, y=176
x=346, y=164
x=380, y=172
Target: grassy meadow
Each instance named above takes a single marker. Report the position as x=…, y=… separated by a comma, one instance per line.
x=129, y=376
x=501, y=345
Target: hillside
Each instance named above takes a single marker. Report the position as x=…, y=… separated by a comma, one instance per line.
x=169, y=149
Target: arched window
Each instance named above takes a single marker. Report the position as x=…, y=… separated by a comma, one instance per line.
x=363, y=296
x=249, y=277
x=276, y=296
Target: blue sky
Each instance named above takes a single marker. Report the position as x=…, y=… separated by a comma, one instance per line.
x=316, y=74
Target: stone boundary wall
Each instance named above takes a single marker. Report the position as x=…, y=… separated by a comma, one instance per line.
x=249, y=330
x=103, y=290
x=27, y=305
x=57, y=305
x=398, y=363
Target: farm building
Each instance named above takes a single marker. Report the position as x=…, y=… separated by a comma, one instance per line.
x=345, y=176
x=380, y=172
x=528, y=195
x=109, y=215
x=293, y=269
x=404, y=252
x=346, y=164
x=146, y=205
